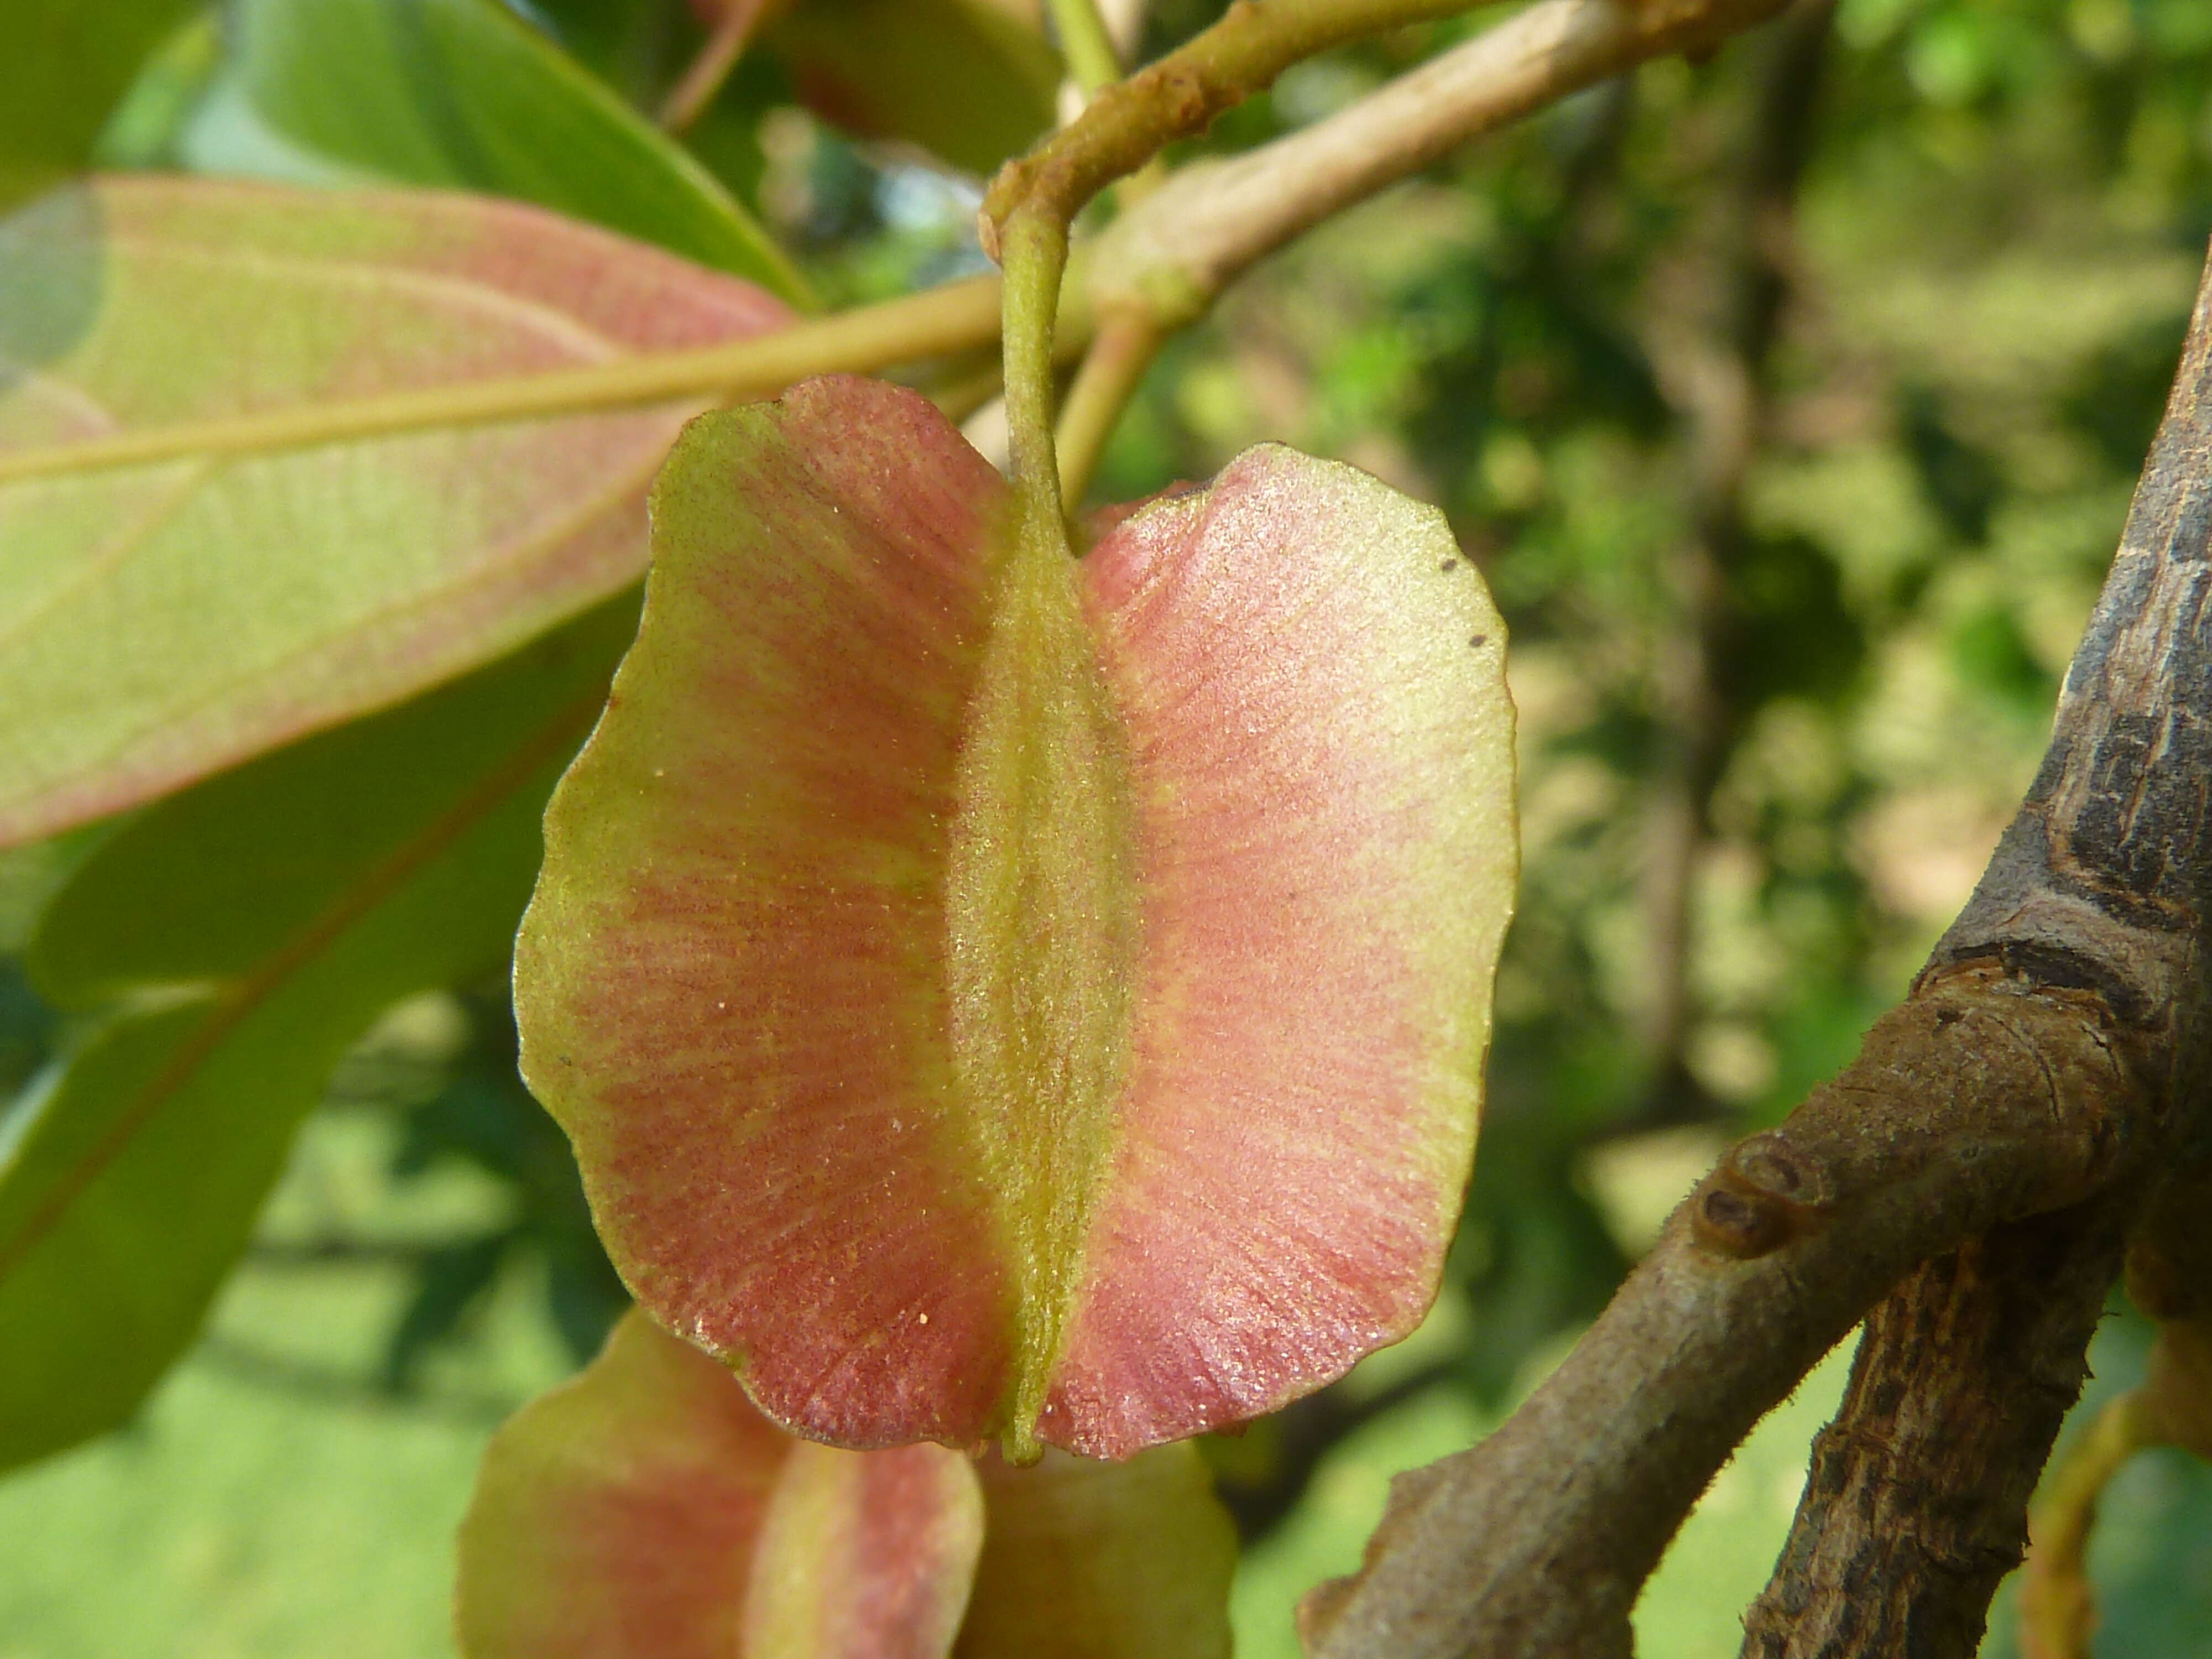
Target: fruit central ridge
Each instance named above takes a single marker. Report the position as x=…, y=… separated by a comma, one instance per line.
x=1041, y=922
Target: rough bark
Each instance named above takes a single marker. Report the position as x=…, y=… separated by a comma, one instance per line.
x=2101, y=883
x=1917, y=1500
x=2050, y=1060
x=1537, y=1540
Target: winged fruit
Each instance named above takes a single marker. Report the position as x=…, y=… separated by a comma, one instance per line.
x=998, y=995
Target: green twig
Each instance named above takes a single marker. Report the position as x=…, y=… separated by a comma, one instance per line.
x=1025, y=216
x=733, y=30
x=1132, y=121
x=1084, y=43
x=1034, y=249
x=1126, y=344
x=956, y=317
x=2057, y=1608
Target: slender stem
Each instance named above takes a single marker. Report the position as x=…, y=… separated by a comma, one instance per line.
x=1085, y=44
x=1025, y=216
x=1552, y=49
x=1132, y=121
x=1126, y=344
x=1035, y=249
x=1214, y=219
x=687, y=99
x=1095, y=59
x=955, y=317
x=2057, y=1608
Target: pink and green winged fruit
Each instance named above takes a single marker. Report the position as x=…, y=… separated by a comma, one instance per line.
x=992, y=995
x=645, y=1511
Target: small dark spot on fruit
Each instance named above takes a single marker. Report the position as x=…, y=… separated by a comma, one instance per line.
x=1448, y=564
x=1479, y=641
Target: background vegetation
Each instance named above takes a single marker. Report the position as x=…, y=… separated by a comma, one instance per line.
x=1790, y=401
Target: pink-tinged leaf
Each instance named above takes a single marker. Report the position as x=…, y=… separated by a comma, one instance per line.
x=990, y=996
x=645, y=1511
x=161, y=620
x=1092, y=1560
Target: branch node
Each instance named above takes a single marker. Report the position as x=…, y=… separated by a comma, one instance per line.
x=1764, y=1194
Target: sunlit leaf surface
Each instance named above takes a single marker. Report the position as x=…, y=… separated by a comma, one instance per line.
x=1044, y=1003
x=161, y=620
x=226, y=947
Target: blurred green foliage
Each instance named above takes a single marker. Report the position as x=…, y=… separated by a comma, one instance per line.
x=1790, y=401
x=73, y=63
x=461, y=95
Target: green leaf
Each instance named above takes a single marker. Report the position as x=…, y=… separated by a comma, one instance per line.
x=993, y=996
x=961, y=77
x=67, y=64
x=162, y=619
x=243, y=934
x=463, y=93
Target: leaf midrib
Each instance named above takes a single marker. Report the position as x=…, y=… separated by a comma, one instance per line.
x=955, y=317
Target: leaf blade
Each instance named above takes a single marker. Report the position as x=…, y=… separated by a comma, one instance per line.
x=67, y=66
x=961, y=78
x=133, y=1182
x=373, y=567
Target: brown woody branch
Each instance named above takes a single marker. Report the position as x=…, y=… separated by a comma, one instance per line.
x=1982, y=1159
x=1537, y=1540
x=1171, y=255
x=1917, y=1503
x=2103, y=882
